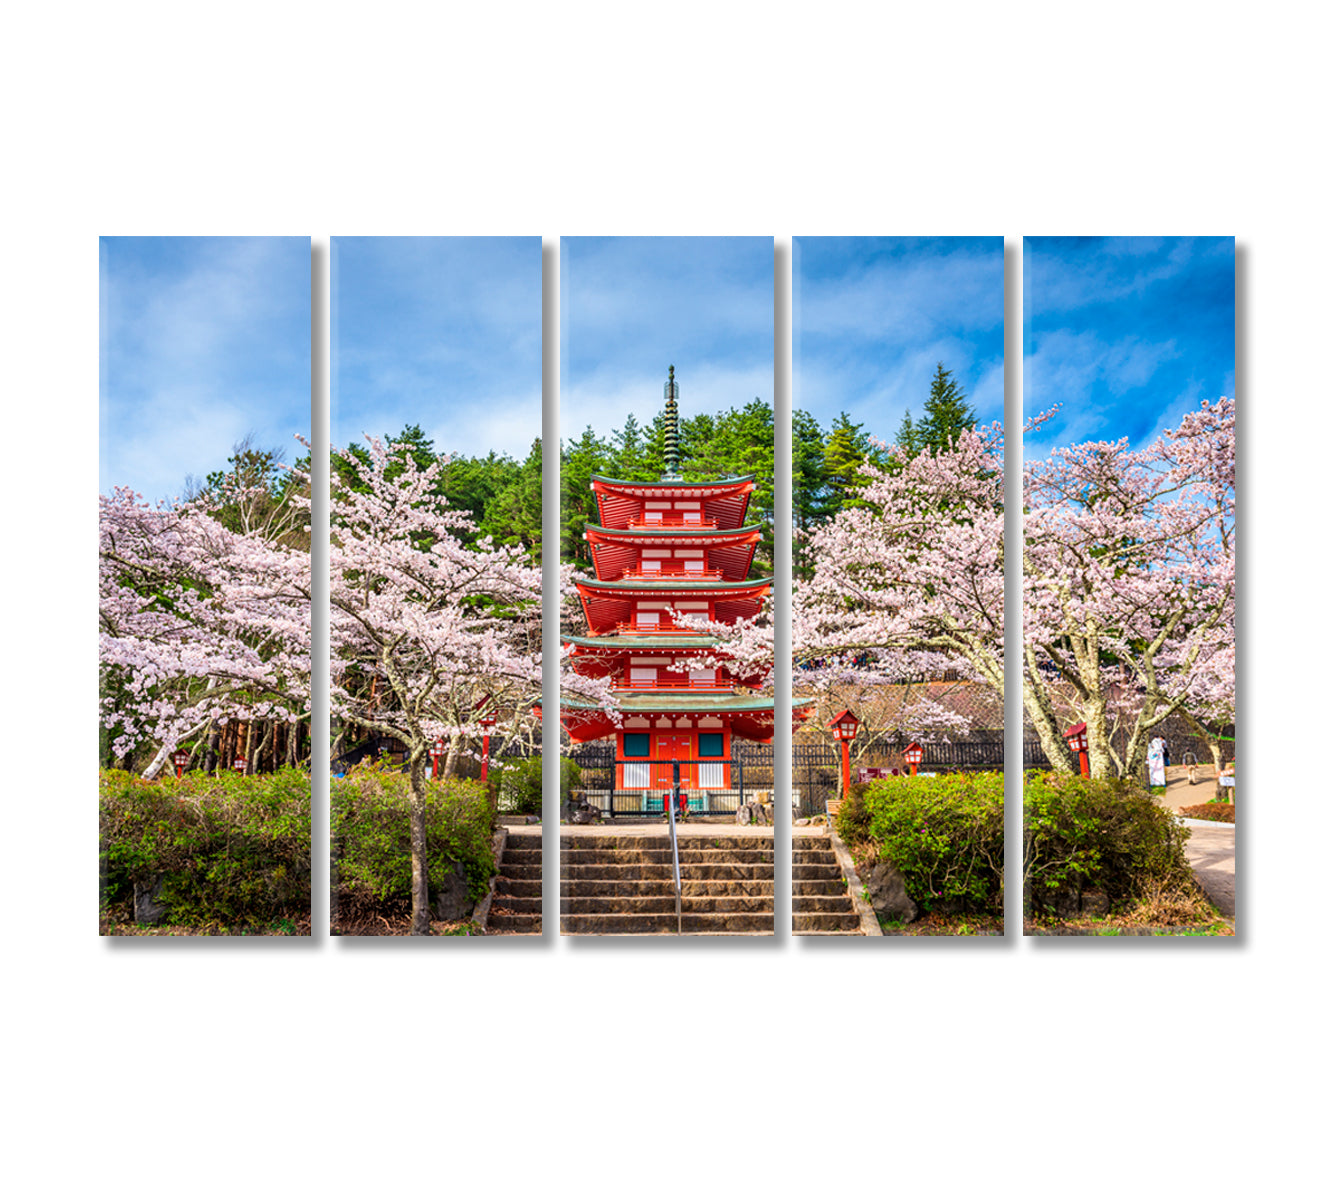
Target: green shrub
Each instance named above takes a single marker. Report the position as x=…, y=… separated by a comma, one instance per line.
x=945, y=835
x=229, y=850
x=853, y=820
x=371, y=839
x=1103, y=834
x=519, y=782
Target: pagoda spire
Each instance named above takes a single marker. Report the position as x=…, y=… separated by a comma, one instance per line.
x=671, y=435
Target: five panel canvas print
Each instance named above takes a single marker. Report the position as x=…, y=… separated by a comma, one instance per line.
x=670, y=574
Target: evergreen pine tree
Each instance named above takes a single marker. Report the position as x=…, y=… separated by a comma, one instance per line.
x=946, y=413
x=846, y=448
x=907, y=437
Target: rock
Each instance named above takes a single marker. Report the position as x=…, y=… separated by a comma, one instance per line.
x=1095, y=904
x=1065, y=902
x=149, y=907
x=887, y=893
x=584, y=816
x=451, y=902
x=802, y=821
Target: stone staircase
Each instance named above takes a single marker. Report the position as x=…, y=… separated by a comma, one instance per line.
x=820, y=900
x=622, y=883
x=516, y=902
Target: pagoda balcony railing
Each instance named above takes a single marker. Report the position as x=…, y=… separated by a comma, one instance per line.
x=702, y=523
x=640, y=573
x=636, y=627
x=672, y=685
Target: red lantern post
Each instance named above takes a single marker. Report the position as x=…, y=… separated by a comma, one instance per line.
x=437, y=754
x=239, y=764
x=845, y=729
x=486, y=723
x=1077, y=738
x=180, y=758
x=912, y=755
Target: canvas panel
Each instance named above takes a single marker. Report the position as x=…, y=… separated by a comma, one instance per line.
x=667, y=469
x=435, y=585
x=1129, y=584
x=204, y=585
x=898, y=591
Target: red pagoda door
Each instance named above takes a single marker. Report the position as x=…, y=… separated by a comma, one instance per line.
x=668, y=746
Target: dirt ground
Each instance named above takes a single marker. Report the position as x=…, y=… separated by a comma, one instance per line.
x=1181, y=793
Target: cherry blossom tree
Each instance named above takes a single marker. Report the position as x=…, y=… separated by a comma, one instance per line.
x=1129, y=586
x=910, y=583
x=435, y=625
x=1129, y=581
x=198, y=625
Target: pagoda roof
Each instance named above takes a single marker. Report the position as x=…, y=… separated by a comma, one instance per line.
x=752, y=716
x=673, y=533
x=655, y=486
x=638, y=642
x=654, y=702
x=665, y=585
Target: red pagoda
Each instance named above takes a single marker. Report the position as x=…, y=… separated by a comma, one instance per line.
x=659, y=549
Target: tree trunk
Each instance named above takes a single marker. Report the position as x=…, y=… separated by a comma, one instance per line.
x=421, y=875
x=451, y=757
x=211, y=758
x=257, y=759
x=1038, y=706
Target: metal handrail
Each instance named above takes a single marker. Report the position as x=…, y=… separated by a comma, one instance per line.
x=676, y=854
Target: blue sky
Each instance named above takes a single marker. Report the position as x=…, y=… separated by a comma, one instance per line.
x=1126, y=334
x=871, y=318
x=203, y=340
x=441, y=332
x=629, y=307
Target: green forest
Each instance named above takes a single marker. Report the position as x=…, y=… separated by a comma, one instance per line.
x=504, y=497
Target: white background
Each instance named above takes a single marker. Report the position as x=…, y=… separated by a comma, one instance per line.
x=1090, y=1067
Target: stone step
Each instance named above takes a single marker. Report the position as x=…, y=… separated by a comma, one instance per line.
x=513, y=857
x=695, y=871
x=622, y=923
x=575, y=857
x=518, y=887
x=661, y=887
x=823, y=922
x=659, y=841
x=811, y=857
x=666, y=904
x=508, y=922
x=817, y=871
x=819, y=887
x=516, y=901
x=824, y=904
